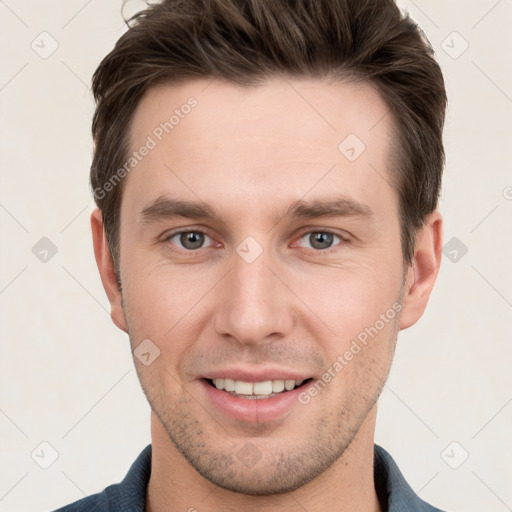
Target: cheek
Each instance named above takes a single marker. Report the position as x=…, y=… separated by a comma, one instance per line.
x=162, y=303
x=348, y=300
x=154, y=284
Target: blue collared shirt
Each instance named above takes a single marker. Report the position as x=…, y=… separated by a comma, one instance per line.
x=394, y=493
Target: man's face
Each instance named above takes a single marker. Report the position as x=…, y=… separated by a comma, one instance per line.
x=303, y=254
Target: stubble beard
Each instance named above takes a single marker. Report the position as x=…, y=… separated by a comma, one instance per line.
x=280, y=469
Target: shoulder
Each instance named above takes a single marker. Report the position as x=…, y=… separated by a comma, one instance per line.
x=94, y=503
x=126, y=496
x=393, y=490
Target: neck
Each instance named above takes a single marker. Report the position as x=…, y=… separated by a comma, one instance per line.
x=175, y=485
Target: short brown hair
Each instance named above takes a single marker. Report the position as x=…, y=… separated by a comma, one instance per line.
x=248, y=41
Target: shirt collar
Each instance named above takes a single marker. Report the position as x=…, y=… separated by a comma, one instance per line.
x=394, y=493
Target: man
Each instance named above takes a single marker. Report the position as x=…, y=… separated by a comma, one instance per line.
x=267, y=176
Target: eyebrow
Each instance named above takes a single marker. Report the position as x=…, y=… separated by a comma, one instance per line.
x=341, y=206
x=165, y=208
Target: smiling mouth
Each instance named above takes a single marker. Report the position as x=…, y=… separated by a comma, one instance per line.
x=256, y=390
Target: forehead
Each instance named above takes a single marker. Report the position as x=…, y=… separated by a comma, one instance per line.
x=211, y=140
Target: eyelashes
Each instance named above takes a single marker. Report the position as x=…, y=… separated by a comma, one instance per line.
x=314, y=239
x=192, y=240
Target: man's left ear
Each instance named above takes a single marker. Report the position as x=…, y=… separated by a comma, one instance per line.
x=422, y=272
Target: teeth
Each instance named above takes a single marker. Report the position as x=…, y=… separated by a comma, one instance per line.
x=229, y=384
x=262, y=388
x=265, y=388
x=289, y=384
x=277, y=386
x=243, y=388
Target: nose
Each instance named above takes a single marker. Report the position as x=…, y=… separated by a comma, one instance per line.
x=255, y=305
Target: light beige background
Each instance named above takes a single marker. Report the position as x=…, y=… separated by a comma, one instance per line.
x=67, y=377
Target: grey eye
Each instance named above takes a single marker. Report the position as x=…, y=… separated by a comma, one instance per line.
x=190, y=240
x=319, y=240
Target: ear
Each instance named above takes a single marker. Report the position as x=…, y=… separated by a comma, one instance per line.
x=106, y=268
x=422, y=272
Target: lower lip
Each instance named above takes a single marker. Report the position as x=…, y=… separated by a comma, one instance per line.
x=255, y=410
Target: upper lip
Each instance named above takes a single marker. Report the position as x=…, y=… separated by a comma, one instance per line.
x=260, y=375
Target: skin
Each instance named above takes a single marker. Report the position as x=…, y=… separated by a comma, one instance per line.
x=251, y=153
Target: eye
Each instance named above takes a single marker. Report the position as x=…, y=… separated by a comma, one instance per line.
x=319, y=240
x=189, y=240
x=193, y=240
